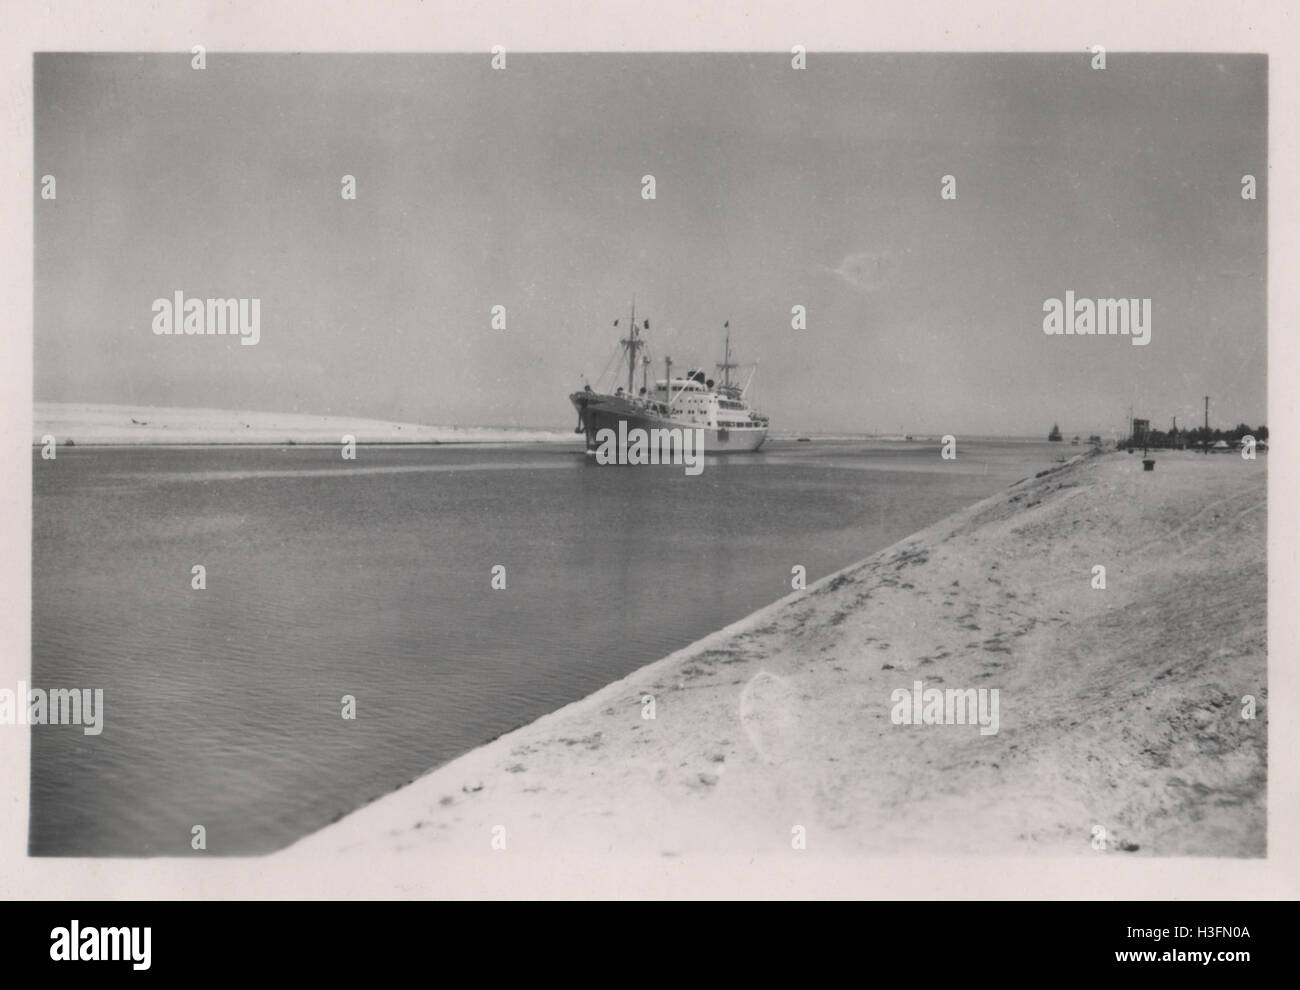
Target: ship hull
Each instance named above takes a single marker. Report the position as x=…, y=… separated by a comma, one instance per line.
x=598, y=412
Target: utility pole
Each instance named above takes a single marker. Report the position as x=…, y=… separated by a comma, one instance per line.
x=1207, y=424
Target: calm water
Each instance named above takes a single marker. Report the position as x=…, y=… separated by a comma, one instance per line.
x=372, y=578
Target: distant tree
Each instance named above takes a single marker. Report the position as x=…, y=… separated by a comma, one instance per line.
x=1261, y=433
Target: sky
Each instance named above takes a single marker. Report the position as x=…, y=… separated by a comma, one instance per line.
x=774, y=188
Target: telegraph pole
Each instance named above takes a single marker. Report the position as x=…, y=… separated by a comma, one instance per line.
x=1207, y=424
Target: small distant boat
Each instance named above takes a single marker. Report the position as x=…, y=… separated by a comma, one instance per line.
x=803, y=439
x=1074, y=442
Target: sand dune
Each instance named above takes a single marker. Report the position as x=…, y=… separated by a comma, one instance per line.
x=1120, y=708
x=112, y=424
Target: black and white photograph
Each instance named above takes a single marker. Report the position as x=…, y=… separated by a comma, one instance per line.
x=511, y=455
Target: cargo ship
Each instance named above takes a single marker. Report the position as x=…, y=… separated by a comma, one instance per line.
x=691, y=401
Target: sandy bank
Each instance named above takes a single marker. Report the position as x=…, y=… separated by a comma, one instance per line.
x=115, y=425
x=1119, y=708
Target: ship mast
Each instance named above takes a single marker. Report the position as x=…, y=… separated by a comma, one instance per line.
x=726, y=365
x=633, y=343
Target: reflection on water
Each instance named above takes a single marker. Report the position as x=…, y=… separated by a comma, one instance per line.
x=373, y=578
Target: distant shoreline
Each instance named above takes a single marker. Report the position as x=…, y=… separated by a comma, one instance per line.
x=109, y=425
x=104, y=425
x=251, y=444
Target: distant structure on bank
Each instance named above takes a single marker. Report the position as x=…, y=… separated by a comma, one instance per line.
x=1055, y=435
x=1199, y=438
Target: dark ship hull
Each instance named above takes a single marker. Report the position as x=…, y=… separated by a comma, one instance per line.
x=598, y=411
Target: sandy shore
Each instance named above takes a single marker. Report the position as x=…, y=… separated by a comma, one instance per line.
x=121, y=425
x=1119, y=708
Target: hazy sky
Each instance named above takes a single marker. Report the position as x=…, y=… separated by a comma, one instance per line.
x=774, y=187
